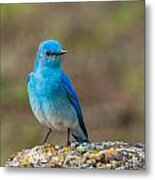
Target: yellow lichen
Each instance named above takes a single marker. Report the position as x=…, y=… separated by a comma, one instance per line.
x=26, y=160
x=49, y=148
x=110, y=153
x=67, y=148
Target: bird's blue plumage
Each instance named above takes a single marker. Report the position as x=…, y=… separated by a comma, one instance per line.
x=71, y=94
x=51, y=94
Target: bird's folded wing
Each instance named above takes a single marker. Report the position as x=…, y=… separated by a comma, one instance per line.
x=72, y=97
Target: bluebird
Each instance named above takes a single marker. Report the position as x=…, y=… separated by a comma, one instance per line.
x=51, y=95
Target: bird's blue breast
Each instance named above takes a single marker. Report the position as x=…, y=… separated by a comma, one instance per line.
x=48, y=99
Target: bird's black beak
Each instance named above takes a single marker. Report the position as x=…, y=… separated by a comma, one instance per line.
x=63, y=51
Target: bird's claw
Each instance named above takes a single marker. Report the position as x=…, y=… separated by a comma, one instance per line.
x=68, y=143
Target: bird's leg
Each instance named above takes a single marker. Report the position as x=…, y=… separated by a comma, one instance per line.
x=48, y=133
x=68, y=137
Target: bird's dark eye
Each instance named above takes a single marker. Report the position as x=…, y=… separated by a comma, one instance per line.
x=48, y=53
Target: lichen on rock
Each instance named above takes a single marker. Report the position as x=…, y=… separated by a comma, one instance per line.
x=105, y=155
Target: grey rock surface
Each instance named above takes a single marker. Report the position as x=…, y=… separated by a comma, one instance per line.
x=105, y=155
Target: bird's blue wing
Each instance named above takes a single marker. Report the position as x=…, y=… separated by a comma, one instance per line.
x=72, y=97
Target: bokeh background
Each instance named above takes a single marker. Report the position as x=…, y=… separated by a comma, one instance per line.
x=105, y=61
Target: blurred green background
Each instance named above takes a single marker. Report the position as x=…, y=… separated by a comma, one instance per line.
x=105, y=60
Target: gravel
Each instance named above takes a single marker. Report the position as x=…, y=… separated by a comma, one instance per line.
x=105, y=155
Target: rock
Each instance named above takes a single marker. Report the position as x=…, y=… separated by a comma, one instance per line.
x=105, y=155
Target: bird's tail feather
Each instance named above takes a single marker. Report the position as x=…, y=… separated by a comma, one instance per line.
x=80, y=139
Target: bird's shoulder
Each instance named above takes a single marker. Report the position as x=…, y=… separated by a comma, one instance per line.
x=71, y=92
x=68, y=84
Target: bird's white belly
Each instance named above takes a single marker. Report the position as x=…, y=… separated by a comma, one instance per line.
x=60, y=119
x=58, y=122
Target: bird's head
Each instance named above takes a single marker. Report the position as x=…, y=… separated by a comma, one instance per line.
x=49, y=54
